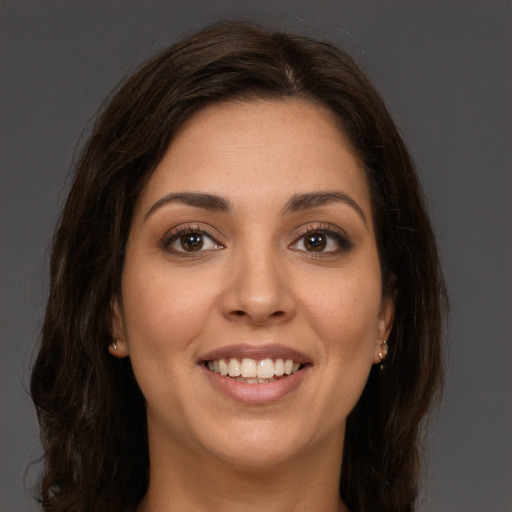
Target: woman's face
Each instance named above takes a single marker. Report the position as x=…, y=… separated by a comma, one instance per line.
x=252, y=252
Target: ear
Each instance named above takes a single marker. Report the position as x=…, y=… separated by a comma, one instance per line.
x=384, y=326
x=118, y=347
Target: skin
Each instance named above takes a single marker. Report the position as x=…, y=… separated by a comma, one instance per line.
x=255, y=282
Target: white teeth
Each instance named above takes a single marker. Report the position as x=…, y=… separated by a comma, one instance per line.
x=255, y=381
x=223, y=367
x=265, y=369
x=234, y=367
x=253, y=371
x=248, y=368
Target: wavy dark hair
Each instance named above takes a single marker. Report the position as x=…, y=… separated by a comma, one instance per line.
x=90, y=409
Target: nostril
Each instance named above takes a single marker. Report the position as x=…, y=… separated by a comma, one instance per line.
x=240, y=313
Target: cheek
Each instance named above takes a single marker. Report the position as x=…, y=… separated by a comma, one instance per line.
x=164, y=314
x=164, y=310
x=344, y=313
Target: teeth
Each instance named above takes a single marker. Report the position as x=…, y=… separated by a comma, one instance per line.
x=223, y=367
x=248, y=368
x=253, y=371
x=234, y=367
x=265, y=369
x=254, y=381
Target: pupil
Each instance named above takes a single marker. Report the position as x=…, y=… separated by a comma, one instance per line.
x=315, y=242
x=192, y=242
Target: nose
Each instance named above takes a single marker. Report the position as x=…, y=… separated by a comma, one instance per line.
x=258, y=289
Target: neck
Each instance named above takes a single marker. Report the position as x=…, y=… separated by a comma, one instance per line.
x=181, y=482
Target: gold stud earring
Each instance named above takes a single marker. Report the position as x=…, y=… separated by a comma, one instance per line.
x=383, y=353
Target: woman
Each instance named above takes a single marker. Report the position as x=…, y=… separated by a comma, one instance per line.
x=245, y=304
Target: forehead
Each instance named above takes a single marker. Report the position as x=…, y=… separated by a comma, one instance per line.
x=253, y=151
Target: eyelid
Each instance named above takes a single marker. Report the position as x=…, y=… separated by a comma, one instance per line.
x=342, y=239
x=189, y=228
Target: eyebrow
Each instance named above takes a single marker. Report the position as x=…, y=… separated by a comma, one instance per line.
x=206, y=201
x=296, y=203
x=302, y=202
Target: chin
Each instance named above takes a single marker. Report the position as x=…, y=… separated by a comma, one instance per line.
x=262, y=445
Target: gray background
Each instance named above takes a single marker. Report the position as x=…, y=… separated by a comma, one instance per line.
x=444, y=68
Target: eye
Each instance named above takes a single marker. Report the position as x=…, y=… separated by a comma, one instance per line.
x=190, y=240
x=322, y=240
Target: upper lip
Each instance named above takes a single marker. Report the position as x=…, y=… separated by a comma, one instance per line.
x=257, y=352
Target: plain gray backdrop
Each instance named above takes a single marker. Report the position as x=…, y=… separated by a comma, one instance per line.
x=445, y=70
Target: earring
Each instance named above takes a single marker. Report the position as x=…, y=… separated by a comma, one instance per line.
x=384, y=353
x=114, y=345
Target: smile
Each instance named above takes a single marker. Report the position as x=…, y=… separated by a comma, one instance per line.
x=253, y=371
x=256, y=374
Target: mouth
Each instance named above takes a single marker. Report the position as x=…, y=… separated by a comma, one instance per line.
x=256, y=374
x=254, y=371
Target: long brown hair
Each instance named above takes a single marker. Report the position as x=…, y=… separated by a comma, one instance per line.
x=91, y=411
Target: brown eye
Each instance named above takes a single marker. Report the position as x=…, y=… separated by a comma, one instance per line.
x=315, y=242
x=191, y=242
x=322, y=240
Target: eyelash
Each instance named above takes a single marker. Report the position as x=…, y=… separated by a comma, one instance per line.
x=341, y=239
x=327, y=230
x=175, y=234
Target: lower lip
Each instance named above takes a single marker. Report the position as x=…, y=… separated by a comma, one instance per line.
x=256, y=393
